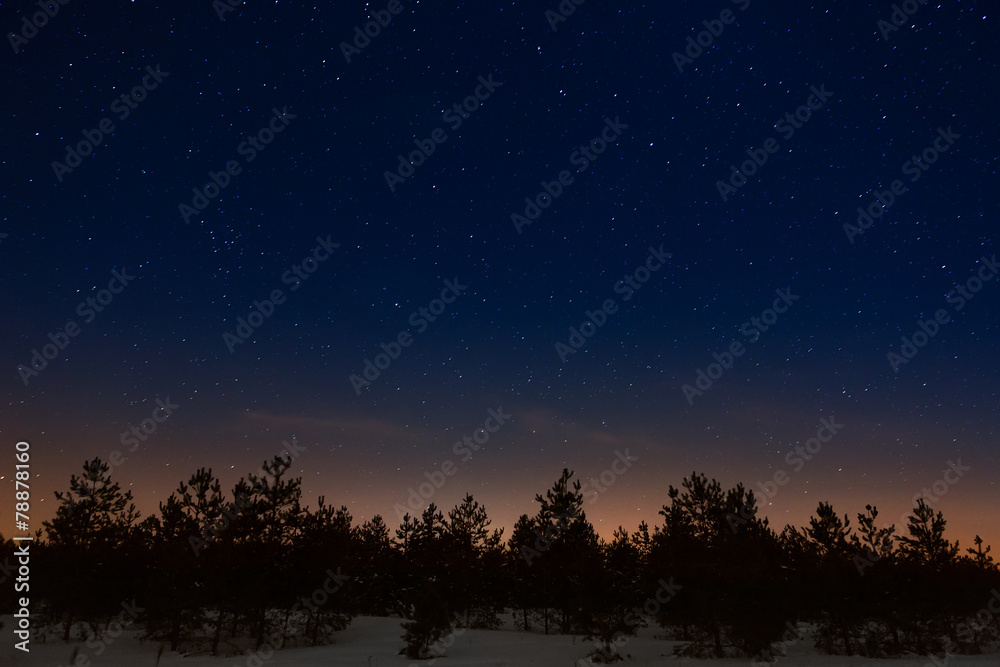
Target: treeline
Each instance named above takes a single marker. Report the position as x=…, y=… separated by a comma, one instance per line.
x=219, y=573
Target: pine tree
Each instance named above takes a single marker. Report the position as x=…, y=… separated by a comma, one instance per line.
x=928, y=561
x=277, y=502
x=93, y=548
x=422, y=549
x=925, y=545
x=520, y=553
x=713, y=542
x=182, y=585
x=698, y=512
x=326, y=537
x=474, y=557
x=758, y=605
x=430, y=619
x=872, y=543
x=94, y=514
x=980, y=557
x=568, y=550
x=878, y=604
x=611, y=615
x=378, y=568
x=829, y=539
x=643, y=544
x=828, y=533
x=275, y=515
x=685, y=547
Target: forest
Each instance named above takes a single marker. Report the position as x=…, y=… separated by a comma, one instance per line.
x=216, y=573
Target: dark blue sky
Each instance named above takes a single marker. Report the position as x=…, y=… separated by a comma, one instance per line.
x=654, y=185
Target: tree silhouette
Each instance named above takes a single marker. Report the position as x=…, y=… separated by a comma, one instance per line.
x=473, y=559
x=94, y=514
x=525, y=590
x=430, y=619
x=93, y=548
x=614, y=607
x=828, y=533
x=325, y=537
x=378, y=568
x=925, y=544
x=829, y=540
x=213, y=570
x=274, y=520
x=726, y=557
x=980, y=557
x=874, y=544
x=184, y=584
x=567, y=551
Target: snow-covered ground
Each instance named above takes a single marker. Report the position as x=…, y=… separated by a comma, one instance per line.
x=375, y=642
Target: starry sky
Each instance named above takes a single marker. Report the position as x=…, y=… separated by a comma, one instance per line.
x=585, y=160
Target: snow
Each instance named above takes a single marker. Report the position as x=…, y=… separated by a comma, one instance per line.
x=375, y=642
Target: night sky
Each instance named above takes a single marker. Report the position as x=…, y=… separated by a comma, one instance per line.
x=663, y=228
